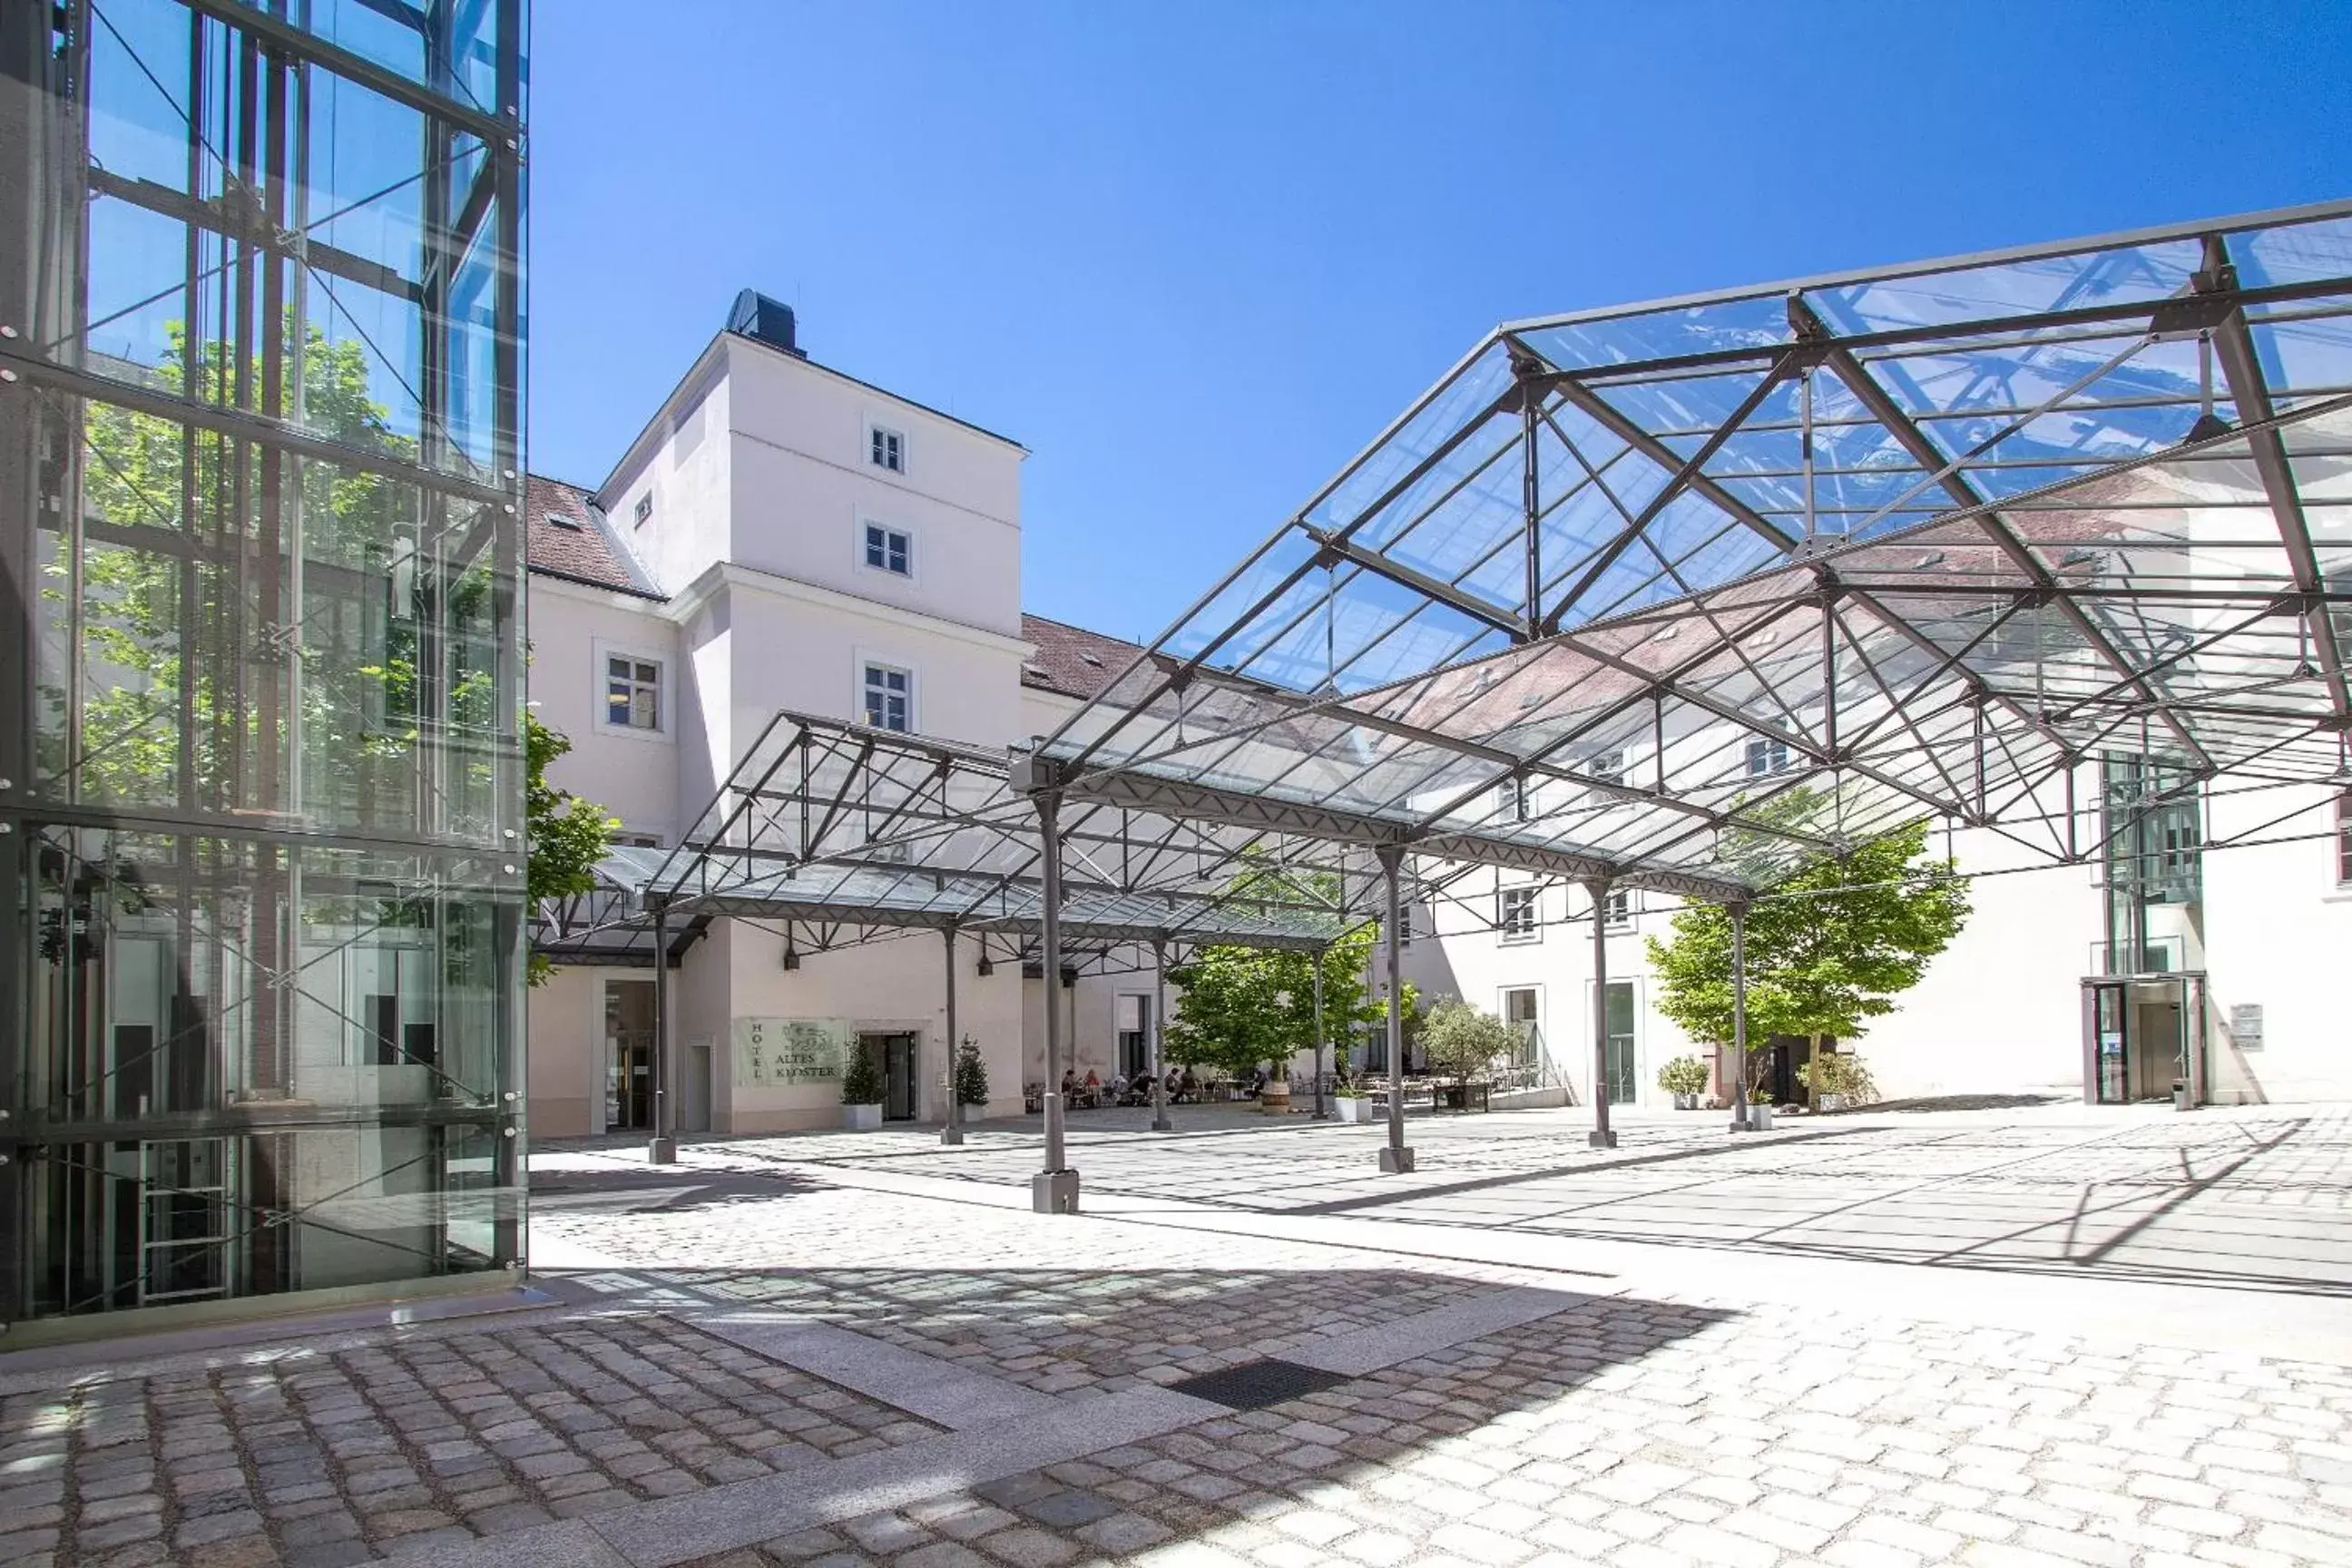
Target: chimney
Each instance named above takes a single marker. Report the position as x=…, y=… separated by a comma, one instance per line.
x=769, y=320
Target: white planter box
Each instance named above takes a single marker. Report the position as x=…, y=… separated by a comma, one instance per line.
x=1759, y=1117
x=1829, y=1102
x=861, y=1118
x=1348, y=1108
x=1687, y=1102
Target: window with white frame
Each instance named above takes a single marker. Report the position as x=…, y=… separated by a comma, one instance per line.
x=645, y=507
x=889, y=697
x=890, y=549
x=632, y=693
x=1765, y=757
x=1515, y=915
x=2344, y=838
x=1512, y=800
x=1619, y=910
x=887, y=448
x=1608, y=767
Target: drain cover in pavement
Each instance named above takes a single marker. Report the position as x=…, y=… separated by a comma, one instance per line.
x=1255, y=1384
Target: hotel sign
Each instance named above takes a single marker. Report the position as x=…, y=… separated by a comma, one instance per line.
x=776, y=1053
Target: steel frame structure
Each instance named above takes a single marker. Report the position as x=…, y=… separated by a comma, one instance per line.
x=1682, y=595
x=261, y=308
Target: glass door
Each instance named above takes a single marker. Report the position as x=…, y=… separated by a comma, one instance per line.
x=897, y=1078
x=1623, y=1089
x=629, y=1055
x=2109, y=1014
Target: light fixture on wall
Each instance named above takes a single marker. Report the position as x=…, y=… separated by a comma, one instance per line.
x=792, y=955
x=987, y=967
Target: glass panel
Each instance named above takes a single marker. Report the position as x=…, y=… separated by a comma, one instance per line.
x=268, y=933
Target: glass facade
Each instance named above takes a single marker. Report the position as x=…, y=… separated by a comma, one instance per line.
x=261, y=953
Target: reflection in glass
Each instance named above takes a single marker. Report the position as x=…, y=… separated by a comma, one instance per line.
x=257, y=494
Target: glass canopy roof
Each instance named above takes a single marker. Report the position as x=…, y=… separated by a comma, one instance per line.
x=1679, y=596
x=1681, y=593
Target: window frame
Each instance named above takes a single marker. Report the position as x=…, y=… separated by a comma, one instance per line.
x=867, y=525
x=641, y=511
x=606, y=649
x=2344, y=840
x=1620, y=910
x=866, y=664
x=1510, y=903
x=1779, y=758
x=877, y=432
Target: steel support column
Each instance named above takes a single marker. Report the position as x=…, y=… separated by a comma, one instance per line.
x=1055, y=1189
x=1395, y=1157
x=1602, y=1136
x=1157, y=1036
x=661, y=1149
x=1739, y=1122
x=952, y=1121
x=1322, y=1111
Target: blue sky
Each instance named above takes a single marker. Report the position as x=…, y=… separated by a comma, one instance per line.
x=1194, y=256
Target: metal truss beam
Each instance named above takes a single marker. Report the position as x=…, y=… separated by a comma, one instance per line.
x=1932, y=459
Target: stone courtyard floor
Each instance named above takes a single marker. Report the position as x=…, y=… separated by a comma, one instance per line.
x=2003, y=1338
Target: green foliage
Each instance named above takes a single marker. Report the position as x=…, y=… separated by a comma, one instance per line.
x=1843, y=1074
x=1460, y=1041
x=1684, y=1075
x=971, y=1074
x=1241, y=1006
x=861, y=1078
x=566, y=834
x=1828, y=952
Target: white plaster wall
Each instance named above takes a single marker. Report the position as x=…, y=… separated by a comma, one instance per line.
x=682, y=463
x=889, y=986
x=806, y=651
x=804, y=485
x=564, y=1085
x=633, y=775
x=2278, y=931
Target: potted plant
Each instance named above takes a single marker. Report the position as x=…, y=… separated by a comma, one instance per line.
x=971, y=1075
x=1685, y=1078
x=861, y=1090
x=1837, y=1082
x=1347, y=1098
x=1759, y=1110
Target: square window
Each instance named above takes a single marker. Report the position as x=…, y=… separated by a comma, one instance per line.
x=887, y=450
x=1620, y=910
x=888, y=698
x=632, y=693
x=1765, y=757
x=645, y=507
x=1515, y=915
x=889, y=549
x=1512, y=799
x=1608, y=767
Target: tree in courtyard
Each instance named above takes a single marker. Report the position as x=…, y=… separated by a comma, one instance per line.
x=1828, y=950
x=1241, y=1006
x=971, y=1074
x=566, y=834
x=1461, y=1042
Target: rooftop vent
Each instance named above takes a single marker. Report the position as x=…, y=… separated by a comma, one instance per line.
x=757, y=316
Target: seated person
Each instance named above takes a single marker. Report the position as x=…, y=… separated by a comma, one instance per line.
x=1092, y=1087
x=1118, y=1088
x=1069, y=1085
x=1189, y=1086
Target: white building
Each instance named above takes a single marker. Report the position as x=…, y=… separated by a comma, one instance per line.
x=2243, y=958
x=782, y=536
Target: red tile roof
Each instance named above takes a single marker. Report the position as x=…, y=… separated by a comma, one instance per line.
x=564, y=537
x=1070, y=659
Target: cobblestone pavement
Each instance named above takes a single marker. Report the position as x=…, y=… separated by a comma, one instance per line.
x=838, y=1352
x=2257, y=1197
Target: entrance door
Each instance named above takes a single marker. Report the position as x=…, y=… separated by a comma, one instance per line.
x=2141, y=1036
x=1623, y=1089
x=1134, y=1023
x=629, y=1055
x=900, y=1067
